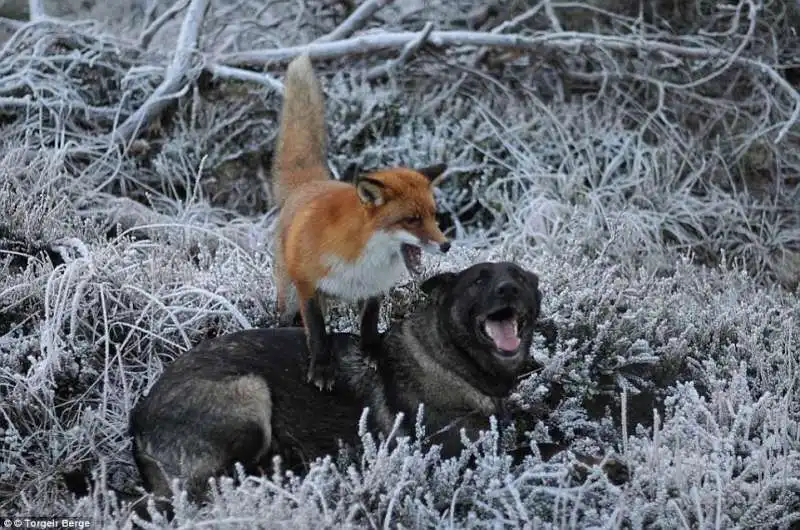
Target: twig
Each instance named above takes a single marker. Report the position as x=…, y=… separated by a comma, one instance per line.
x=519, y=19
x=150, y=31
x=566, y=40
x=150, y=13
x=228, y=72
x=551, y=14
x=386, y=41
x=36, y=10
x=12, y=23
x=408, y=50
x=174, y=78
x=355, y=21
x=8, y=102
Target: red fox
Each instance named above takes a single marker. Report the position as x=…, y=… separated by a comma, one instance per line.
x=352, y=242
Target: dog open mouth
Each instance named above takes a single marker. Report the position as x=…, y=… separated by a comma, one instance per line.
x=502, y=327
x=412, y=256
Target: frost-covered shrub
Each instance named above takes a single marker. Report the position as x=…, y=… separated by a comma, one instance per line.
x=613, y=190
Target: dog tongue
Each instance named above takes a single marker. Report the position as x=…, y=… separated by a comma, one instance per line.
x=503, y=333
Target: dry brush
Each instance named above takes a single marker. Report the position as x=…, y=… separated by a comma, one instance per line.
x=616, y=148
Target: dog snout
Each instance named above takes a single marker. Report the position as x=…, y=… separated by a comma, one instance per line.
x=507, y=289
x=444, y=247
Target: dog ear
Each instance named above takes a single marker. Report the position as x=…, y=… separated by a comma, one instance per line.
x=433, y=285
x=533, y=282
x=434, y=173
x=370, y=191
x=533, y=278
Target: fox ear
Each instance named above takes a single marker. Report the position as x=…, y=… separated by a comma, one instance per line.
x=434, y=173
x=433, y=286
x=370, y=191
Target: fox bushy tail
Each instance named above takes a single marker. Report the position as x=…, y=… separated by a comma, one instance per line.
x=301, y=146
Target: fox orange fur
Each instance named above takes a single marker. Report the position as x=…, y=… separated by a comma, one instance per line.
x=336, y=239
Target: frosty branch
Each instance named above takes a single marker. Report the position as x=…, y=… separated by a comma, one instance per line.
x=564, y=41
x=355, y=21
x=37, y=11
x=151, y=30
x=407, y=52
x=699, y=50
x=240, y=74
x=176, y=78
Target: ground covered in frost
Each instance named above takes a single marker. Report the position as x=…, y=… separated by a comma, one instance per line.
x=658, y=207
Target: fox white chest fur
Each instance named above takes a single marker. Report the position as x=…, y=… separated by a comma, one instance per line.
x=379, y=267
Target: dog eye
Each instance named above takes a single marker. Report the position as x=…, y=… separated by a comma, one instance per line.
x=413, y=220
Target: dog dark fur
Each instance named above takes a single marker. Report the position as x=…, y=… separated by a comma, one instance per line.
x=242, y=397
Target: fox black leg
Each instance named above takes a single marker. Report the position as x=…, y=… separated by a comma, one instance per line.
x=370, y=337
x=288, y=319
x=322, y=365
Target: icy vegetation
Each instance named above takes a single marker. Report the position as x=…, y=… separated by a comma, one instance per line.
x=644, y=162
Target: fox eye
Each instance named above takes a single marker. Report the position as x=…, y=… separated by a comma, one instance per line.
x=413, y=220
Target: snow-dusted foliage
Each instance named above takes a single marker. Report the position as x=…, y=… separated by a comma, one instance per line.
x=654, y=192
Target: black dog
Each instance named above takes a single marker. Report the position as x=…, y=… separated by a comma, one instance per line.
x=243, y=397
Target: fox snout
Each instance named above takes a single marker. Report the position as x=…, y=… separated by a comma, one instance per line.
x=435, y=241
x=430, y=240
x=437, y=248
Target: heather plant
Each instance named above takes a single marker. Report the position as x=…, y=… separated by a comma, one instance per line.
x=642, y=160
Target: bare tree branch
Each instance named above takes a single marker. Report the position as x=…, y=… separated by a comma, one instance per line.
x=407, y=52
x=175, y=78
x=36, y=9
x=150, y=31
x=386, y=41
x=11, y=23
x=240, y=74
x=356, y=20
x=555, y=23
x=566, y=40
x=22, y=102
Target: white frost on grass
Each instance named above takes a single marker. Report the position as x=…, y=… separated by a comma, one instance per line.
x=113, y=264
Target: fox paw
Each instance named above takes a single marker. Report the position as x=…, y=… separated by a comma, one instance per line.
x=322, y=375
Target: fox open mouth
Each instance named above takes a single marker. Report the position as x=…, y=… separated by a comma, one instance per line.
x=412, y=256
x=502, y=327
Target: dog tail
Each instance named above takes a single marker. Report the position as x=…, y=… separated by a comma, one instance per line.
x=301, y=146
